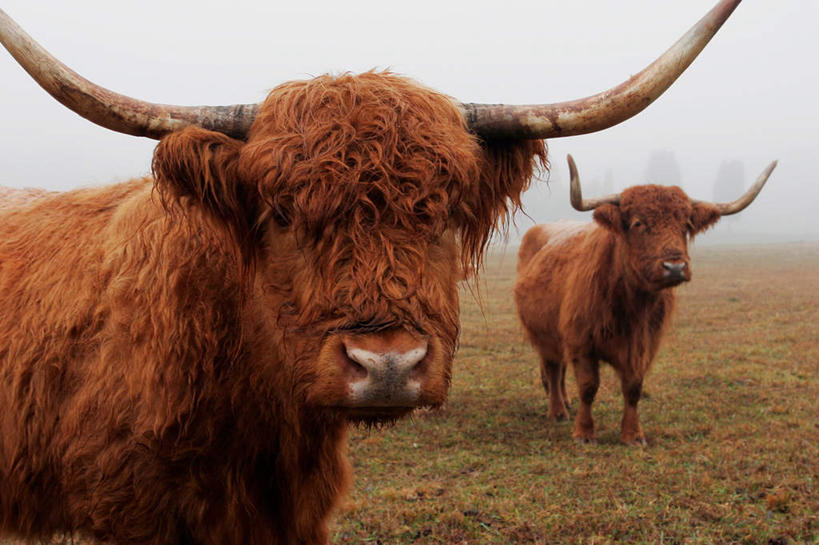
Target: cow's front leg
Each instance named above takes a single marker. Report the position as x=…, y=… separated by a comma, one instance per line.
x=563, y=386
x=631, y=433
x=552, y=375
x=587, y=375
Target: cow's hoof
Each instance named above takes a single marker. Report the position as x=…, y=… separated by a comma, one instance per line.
x=636, y=442
x=585, y=440
x=561, y=417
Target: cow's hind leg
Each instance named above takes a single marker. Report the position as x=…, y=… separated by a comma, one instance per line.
x=552, y=375
x=587, y=375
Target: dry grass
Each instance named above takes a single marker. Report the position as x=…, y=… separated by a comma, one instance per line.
x=731, y=413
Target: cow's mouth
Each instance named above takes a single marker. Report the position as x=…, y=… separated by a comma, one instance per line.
x=665, y=283
x=375, y=416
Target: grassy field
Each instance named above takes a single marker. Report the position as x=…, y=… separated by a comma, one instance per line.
x=731, y=413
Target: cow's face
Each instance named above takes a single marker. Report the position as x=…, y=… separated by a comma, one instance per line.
x=359, y=202
x=655, y=224
x=370, y=323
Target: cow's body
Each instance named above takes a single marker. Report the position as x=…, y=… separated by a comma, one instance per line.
x=573, y=309
x=128, y=406
x=12, y=198
x=180, y=363
x=601, y=291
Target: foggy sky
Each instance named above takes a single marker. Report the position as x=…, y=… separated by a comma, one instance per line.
x=750, y=97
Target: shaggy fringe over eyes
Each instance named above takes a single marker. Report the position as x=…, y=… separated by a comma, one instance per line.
x=354, y=154
x=368, y=172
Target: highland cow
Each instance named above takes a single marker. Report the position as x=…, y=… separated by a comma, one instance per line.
x=181, y=355
x=596, y=291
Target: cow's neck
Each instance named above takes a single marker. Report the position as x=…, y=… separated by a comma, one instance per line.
x=629, y=299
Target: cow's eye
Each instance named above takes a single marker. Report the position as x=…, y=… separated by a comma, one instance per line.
x=281, y=217
x=637, y=224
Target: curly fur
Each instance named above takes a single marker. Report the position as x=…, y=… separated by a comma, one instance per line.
x=164, y=368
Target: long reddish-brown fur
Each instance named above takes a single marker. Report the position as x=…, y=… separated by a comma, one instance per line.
x=166, y=370
x=592, y=292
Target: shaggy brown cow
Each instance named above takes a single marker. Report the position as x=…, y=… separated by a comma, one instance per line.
x=180, y=356
x=602, y=291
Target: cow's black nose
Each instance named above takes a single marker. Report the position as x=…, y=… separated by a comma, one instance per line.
x=674, y=269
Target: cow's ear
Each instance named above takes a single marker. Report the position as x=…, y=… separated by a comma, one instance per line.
x=703, y=216
x=608, y=215
x=197, y=167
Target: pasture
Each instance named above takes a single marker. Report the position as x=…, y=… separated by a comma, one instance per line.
x=730, y=411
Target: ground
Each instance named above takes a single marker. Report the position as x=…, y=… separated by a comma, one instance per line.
x=731, y=413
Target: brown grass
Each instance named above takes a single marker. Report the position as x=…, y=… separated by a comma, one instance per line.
x=731, y=412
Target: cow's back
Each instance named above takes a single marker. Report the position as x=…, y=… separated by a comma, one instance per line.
x=533, y=240
x=553, y=235
x=12, y=198
x=547, y=259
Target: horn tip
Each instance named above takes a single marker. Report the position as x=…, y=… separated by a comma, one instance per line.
x=770, y=168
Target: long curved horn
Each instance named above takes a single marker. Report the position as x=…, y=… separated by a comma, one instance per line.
x=112, y=110
x=131, y=116
x=605, y=109
x=576, y=195
x=728, y=208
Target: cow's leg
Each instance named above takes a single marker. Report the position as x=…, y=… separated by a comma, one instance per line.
x=551, y=373
x=631, y=433
x=587, y=375
x=563, y=385
x=544, y=376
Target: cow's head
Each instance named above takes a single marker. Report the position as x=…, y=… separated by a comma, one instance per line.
x=356, y=203
x=654, y=223
x=359, y=202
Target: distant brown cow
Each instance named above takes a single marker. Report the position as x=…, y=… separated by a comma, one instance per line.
x=181, y=355
x=588, y=292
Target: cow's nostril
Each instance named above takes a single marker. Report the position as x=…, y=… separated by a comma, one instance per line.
x=398, y=361
x=355, y=368
x=674, y=267
x=361, y=358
